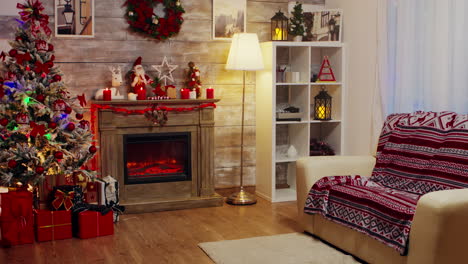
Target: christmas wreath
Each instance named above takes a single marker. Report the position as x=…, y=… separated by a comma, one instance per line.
x=141, y=17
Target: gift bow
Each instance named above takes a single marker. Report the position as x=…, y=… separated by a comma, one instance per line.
x=37, y=129
x=63, y=198
x=43, y=67
x=20, y=58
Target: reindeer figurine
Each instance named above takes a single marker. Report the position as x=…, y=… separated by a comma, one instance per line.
x=116, y=82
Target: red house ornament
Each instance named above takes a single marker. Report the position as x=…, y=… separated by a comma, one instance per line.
x=326, y=72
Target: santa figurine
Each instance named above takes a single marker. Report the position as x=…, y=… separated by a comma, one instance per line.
x=139, y=78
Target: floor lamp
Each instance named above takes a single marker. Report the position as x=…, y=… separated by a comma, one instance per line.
x=245, y=55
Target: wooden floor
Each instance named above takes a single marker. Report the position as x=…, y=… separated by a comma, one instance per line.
x=163, y=237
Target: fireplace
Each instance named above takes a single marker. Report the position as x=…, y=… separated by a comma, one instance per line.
x=159, y=167
x=160, y=157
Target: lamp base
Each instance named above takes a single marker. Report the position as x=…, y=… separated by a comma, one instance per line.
x=241, y=198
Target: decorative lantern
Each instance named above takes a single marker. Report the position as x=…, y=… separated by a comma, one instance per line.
x=323, y=105
x=279, y=26
x=68, y=13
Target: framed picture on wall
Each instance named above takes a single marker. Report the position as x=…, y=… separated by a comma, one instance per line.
x=74, y=18
x=229, y=17
x=323, y=25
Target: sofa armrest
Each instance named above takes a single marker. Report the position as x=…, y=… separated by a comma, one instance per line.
x=439, y=232
x=311, y=169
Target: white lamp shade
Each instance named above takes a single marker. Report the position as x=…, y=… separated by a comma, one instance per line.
x=245, y=53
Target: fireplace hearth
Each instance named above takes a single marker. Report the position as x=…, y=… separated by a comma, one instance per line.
x=159, y=168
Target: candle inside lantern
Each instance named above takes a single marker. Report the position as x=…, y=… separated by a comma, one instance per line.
x=209, y=93
x=184, y=93
x=141, y=94
x=278, y=34
x=321, y=112
x=107, y=95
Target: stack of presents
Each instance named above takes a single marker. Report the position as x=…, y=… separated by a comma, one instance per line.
x=79, y=207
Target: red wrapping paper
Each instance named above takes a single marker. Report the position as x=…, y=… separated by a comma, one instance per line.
x=91, y=194
x=52, y=225
x=93, y=224
x=16, y=218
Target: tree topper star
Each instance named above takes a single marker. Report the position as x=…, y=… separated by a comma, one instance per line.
x=166, y=73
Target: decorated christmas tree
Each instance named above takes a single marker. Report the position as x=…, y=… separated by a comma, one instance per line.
x=296, y=27
x=42, y=131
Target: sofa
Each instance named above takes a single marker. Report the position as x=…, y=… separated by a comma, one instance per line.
x=436, y=225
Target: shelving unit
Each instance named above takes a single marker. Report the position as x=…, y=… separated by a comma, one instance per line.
x=276, y=172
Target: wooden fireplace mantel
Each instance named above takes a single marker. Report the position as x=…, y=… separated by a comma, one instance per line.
x=139, y=198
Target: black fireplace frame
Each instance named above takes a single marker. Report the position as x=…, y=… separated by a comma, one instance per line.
x=158, y=137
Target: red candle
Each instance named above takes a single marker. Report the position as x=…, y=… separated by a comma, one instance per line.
x=184, y=93
x=210, y=93
x=141, y=94
x=107, y=95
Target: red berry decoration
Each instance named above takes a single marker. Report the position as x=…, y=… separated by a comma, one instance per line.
x=28, y=68
x=92, y=149
x=43, y=75
x=52, y=125
x=40, y=98
x=4, y=121
x=12, y=163
x=58, y=155
x=57, y=78
x=68, y=110
x=39, y=169
x=70, y=127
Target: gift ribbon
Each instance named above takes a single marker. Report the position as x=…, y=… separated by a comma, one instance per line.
x=63, y=198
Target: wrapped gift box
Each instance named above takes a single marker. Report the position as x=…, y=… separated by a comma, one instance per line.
x=64, y=197
x=52, y=225
x=16, y=219
x=91, y=193
x=94, y=224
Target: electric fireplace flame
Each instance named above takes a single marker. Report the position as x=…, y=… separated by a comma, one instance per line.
x=161, y=157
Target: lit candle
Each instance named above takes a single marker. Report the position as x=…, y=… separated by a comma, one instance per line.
x=321, y=112
x=107, y=95
x=278, y=34
x=184, y=93
x=141, y=94
x=209, y=93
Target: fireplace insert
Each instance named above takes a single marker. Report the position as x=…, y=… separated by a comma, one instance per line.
x=159, y=157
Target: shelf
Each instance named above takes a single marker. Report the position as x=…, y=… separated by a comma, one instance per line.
x=325, y=83
x=290, y=84
x=282, y=159
x=285, y=195
x=291, y=122
x=324, y=121
x=325, y=44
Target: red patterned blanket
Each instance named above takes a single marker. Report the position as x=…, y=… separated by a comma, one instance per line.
x=417, y=153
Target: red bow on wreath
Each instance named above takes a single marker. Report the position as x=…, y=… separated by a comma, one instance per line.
x=20, y=58
x=43, y=67
x=63, y=198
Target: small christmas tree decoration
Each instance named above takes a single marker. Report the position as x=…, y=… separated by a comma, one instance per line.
x=193, y=79
x=326, y=72
x=296, y=27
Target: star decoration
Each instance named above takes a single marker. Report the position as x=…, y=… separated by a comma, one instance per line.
x=165, y=71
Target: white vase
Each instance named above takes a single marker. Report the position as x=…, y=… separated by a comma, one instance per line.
x=297, y=38
x=292, y=152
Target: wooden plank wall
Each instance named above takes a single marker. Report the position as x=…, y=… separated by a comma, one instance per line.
x=85, y=65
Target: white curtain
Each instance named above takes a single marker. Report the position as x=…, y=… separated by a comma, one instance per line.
x=423, y=55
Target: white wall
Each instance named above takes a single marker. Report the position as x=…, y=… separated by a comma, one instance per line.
x=8, y=7
x=360, y=37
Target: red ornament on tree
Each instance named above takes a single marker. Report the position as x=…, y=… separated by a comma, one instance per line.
x=57, y=78
x=12, y=163
x=51, y=47
x=92, y=149
x=52, y=125
x=59, y=105
x=40, y=98
x=70, y=127
x=18, y=38
x=79, y=116
x=58, y=155
x=28, y=68
x=12, y=52
x=68, y=110
x=22, y=118
x=39, y=169
x=84, y=124
x=4, y=121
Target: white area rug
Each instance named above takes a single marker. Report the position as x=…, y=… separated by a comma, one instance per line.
x=294, y=248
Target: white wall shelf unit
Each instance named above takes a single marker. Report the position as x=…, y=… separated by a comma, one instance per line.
x=276, y=172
